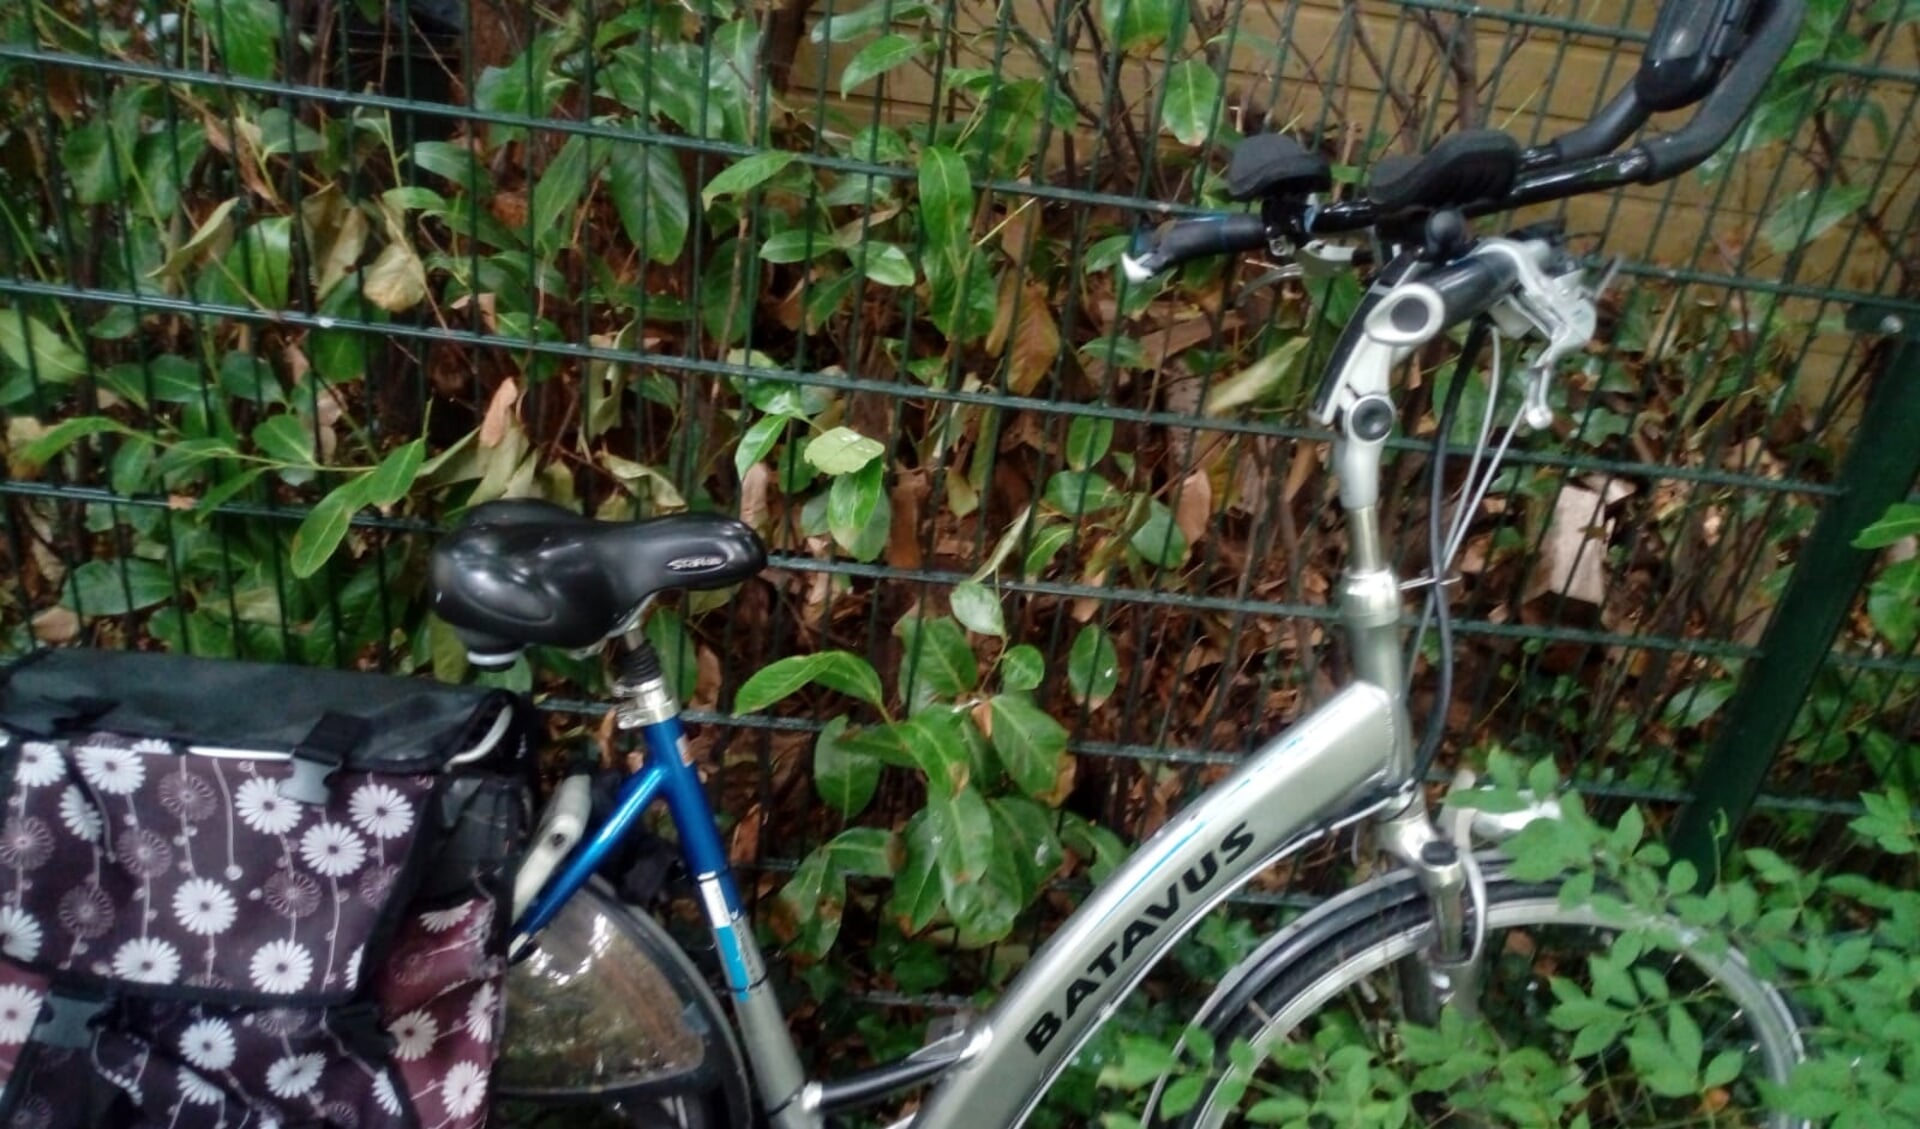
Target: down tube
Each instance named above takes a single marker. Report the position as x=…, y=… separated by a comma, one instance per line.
x=1314, y=772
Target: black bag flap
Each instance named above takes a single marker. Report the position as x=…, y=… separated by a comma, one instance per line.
x=408, y=724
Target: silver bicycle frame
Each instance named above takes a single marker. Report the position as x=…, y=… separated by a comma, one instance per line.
x=1346, y=761
x=1326, y=771
x=1349, y=760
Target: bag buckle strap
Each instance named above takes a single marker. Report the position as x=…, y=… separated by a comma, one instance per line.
x=68, y=1020
x=360, y=1029
x=321, y=753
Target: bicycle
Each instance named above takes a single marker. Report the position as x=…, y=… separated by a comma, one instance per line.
x=1433, y=934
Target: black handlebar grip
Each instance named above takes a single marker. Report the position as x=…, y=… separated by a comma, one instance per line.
x=1727, y=106
x=1179, y=241
x=1470, y=287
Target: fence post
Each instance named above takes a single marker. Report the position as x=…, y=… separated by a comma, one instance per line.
x=1880, y=468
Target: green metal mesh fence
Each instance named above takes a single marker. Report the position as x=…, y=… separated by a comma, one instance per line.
x=284, y=285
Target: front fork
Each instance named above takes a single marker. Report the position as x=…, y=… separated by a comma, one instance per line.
x=1447, y=973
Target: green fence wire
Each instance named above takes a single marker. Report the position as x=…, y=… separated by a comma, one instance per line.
x=284, y=286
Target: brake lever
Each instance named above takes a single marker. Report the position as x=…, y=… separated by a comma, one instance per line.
x=1564, y=311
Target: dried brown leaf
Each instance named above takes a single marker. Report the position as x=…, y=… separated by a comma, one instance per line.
x=1193, y=506
x=745, y=845
x=1036, y=344
x=903, y=535
x=493, y=427
x=706, y=680
x=397, y=280
x=56, y=625
x=753, y=495
x=339, y=251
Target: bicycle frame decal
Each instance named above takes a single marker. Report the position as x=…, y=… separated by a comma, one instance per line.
x=1195, y=881
x=1316, y=772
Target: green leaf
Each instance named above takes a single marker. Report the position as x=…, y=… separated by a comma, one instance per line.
x=1193, y=101
x=962, y=837
x=88, y=157
x=796, y=245
x=1101, y=848
x=167, y=379
x=836, y=670
x=1046, y=543
x=1893, y=603
x=842, y=451
x=745, y=174
x=1022, y=668
x=932, y=741
x=1660, y=1069
x=870, y=852
x=1285, y=1109
x=877, y=58
x=885, y=264
x=962, y=294
x=282, y=134
x=1182, y=1094
x=758, y=440
x=1023, y=836
x=917, y=893
x=846, y=778
x=1159, y=539
x=848, y=25
x=558, y=188
x=262, y=260
x=1029, y=742
x=937, y=661
x=1900, y=522
x=1594, y=1037
x=456, y=163
x=1627, y=834
x=1270, y=376
x=667, y=631
x=1078, y=492
x=978, y=609
x=815, y=897
x=116, y=587
x=33, y=346
x=858, y=514
x=285, y=437
x=1088, y=439
x=1812, y=213
x=780, y=397
x=650, y=193
x=326, y=526
x=246, y=32
x=1724, y=1068
x=946, y=208
x=1137, y=25
x=1093, y=666
x=68, y=432
x=391, y=480
x=1683, y=1034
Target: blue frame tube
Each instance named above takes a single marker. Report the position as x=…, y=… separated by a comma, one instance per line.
x=665, y=771
x=636, y=795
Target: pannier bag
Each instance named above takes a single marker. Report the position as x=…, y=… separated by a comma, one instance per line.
x=244, y=896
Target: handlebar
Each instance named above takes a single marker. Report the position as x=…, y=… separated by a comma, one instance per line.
x=1718, y=54
x=1468, y=288
x=1181, y=240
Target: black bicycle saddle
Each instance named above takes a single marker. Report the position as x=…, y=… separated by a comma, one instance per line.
x=521, y=571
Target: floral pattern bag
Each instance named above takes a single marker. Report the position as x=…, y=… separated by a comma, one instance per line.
x=245, y=895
